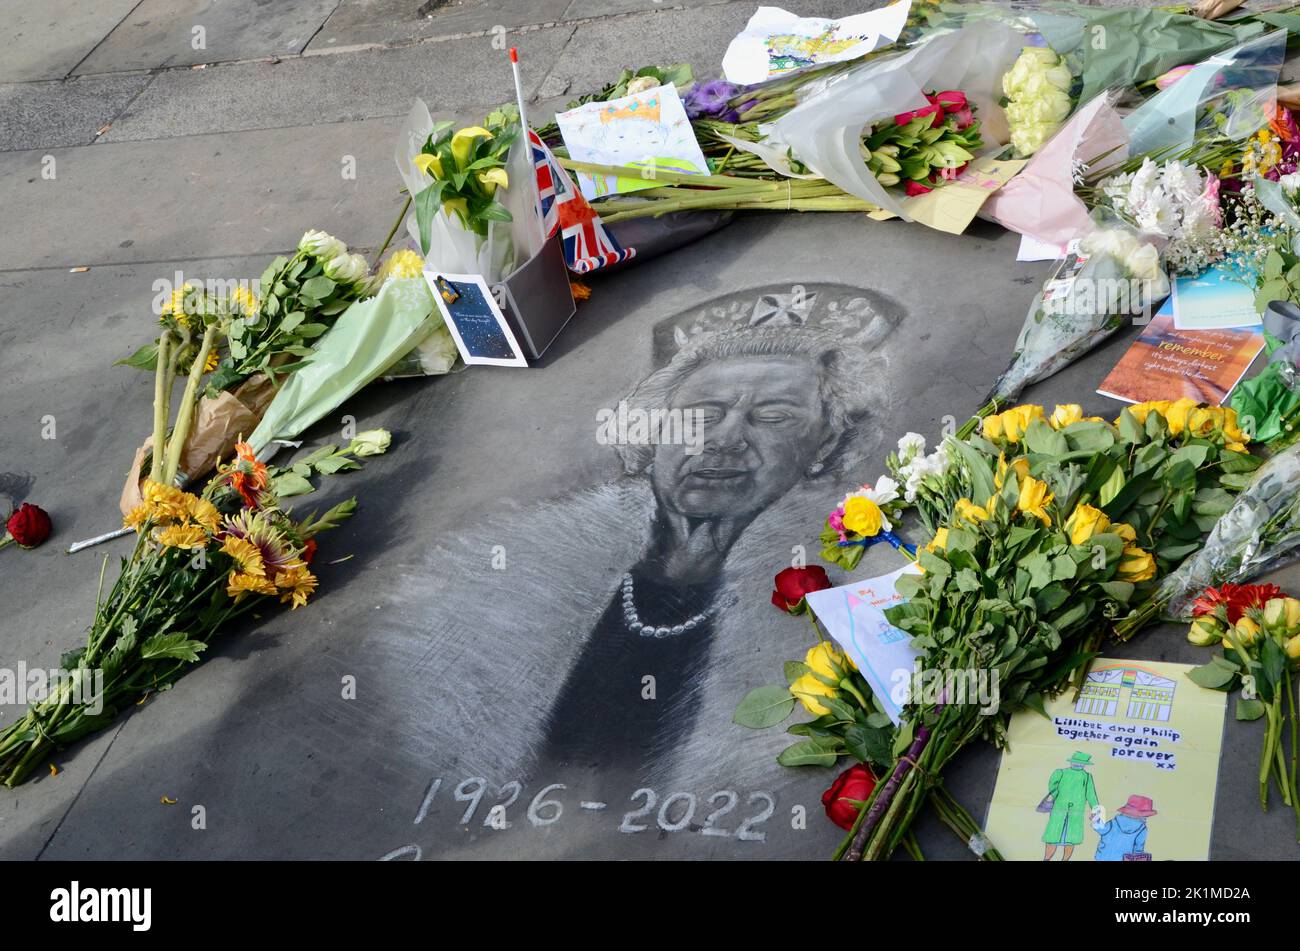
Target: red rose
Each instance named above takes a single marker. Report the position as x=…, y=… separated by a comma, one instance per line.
x=793, y=583
x=913, y=187
x=29, y=525
x=933, y=109
x=855, y=784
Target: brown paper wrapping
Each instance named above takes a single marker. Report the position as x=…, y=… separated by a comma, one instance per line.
x=218, y=424
x=1213, y=9
x=1289, y=96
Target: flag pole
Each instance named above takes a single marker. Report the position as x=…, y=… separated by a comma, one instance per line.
x=523, y=122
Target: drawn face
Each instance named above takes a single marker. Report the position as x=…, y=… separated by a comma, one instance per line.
x=762, y=426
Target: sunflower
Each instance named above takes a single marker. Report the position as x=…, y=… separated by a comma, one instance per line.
x=240, y=583
x=296, y=584
x=183, y=536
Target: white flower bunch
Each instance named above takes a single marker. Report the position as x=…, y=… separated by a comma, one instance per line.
x=1139, y=258
x=914, y=466
x=1175, y=201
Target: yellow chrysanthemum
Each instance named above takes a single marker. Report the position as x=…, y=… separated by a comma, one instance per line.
x=296, y=584
x=138, y=516
x=183, y=536
x=240, y=583
x=203, y=513
x=246, y=555
x=167, y=503
x=402, y=263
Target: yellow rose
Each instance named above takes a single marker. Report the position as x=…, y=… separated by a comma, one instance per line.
x=1125, y=531
x=1205, y=631
x=1136, y=565
x=1177, y=414
x=1084, y=522
x=1246, y=631
x=1140, y=411
x=1018, y=465
x=822, y=658
x=1230, y=430
x=1065, y=414
x=862, y=515
x=1205, y=421
x=807, y=689
x=939, y=542
x=1293, y=648
x=991, y=428
x=1034, y=498
x=1017, y=419
x=968, y=511
x=1282, y=616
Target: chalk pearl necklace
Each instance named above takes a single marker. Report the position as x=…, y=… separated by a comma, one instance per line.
x=649, y=630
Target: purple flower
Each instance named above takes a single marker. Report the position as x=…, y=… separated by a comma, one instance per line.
x=709, y=101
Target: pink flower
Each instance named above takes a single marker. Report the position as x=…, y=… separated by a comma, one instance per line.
x=933, y=109
x=836, y=522
x=1210, y=198
x=952, y=100
x=1165, y=80
x=914, y=187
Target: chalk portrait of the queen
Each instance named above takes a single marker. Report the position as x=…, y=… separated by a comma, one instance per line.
x=636, y=613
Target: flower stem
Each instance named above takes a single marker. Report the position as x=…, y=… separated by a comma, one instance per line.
x=185, y=415
x=161, y=388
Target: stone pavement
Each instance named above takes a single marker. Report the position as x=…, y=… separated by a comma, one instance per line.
x=127, y=151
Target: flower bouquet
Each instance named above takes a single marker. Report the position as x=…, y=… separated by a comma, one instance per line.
x=200, y=562
x=1047, y=528
x=1108, y=277
x=1259, y=629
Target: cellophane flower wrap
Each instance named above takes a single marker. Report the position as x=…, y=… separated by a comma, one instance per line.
x=1260, y=531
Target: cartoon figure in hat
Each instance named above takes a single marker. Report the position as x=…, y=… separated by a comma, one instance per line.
x=1124, y=838
x=1070, y=792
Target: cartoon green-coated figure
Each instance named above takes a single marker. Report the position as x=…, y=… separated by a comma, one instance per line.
x=1072, y=795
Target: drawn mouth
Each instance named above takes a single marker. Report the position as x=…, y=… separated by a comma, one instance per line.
x=721, y=474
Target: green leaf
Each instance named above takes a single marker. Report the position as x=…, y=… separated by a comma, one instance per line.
x=979, y=469
x=903, y=739
x=426, y=204
x=308, y=331
x=807, y=753
x=146, y=358
x=1041, y=438
x=177, y=646
x=868, y=745
x=1215, y=675
x=292, y=320
x=290, y=484
x=794, y=669
x=1249, y=709
x=764, y=707
x=318, y=287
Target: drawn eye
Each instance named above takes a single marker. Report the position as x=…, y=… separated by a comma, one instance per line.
x=772, y=416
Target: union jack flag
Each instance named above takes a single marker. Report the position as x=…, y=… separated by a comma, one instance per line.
x=588, y=245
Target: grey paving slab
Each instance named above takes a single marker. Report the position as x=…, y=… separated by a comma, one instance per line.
x=199, y=196
x=260, y=735
x=67, y=112
x=183, y=32
x=384, y=22
x=46, y=40
x=599, y=49
x=350, y=86
x=590, y=9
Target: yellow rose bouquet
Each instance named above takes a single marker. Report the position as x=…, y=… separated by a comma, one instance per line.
x=1044, y=527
